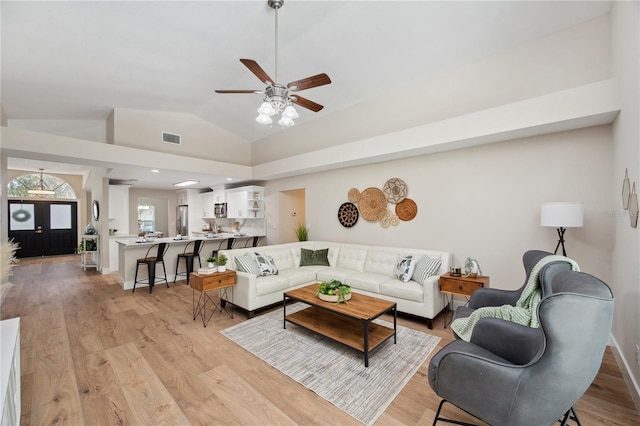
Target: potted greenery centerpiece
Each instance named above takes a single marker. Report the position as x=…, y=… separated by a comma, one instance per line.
x=221, y=261
x=334, y=291
x=211, y=262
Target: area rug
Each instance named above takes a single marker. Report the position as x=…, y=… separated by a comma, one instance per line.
x=334, y=371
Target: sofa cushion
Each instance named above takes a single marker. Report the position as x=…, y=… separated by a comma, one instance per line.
x=314, y=257
x=298, y=276
x=328, y=274
x=247, y=263
x=381, y=262
x=404, y=269
x=351, y=258
x=410, y=290
x=266, y=264
x=282, y=257
x=367, y=281
x=271, y=283
x=426, y=267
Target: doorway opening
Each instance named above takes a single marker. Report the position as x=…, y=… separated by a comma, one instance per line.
x=291, y=214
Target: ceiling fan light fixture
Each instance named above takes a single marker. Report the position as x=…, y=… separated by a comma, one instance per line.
x=266, y=109
x=285, y=121
x=290, y=112
x=264, y=119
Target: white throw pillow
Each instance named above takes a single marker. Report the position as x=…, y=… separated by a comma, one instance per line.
x=426, y=267
x=404, y=269
x=266, y=264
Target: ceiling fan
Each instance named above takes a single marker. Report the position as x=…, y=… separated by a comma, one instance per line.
x=278, y=97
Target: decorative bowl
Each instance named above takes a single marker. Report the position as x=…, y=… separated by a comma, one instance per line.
x=333, y=297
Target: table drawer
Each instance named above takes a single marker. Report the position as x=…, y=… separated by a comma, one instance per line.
x=213, y=281
x=450, y=285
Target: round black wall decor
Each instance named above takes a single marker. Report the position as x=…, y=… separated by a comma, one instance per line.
x=348, y=215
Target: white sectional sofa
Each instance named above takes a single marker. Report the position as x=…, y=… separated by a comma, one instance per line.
x=367, y=269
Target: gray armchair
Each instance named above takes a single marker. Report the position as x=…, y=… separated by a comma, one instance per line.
x=496, y=297
x=509, y=374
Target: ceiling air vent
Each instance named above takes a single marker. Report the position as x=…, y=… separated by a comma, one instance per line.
x=171, y=138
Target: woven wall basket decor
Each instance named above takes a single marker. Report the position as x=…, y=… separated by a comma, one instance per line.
x=372, y=205
x=348, y=215
x=395, y=190
x=407, y=209
x=354, y=195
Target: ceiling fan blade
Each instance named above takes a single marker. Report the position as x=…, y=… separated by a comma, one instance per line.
x=306, y=103
x=309, y=82
x=258, y=71
x=239, y=91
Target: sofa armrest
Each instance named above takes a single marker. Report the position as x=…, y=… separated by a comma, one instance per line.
x=433, y=299
x=244, y=292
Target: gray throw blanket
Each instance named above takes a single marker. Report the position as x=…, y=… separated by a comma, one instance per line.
x=525, y=310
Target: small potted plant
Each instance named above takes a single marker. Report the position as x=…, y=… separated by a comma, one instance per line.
x=302, y=233
x=334, y=291
x=211, y=262
x=222, y=262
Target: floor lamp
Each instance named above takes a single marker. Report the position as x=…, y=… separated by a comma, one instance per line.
x=561, y=215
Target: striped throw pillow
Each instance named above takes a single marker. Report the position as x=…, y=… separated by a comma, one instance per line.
x=247, y=263
x=426, y=267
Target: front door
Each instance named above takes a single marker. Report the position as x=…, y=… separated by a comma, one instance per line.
x=43, y=228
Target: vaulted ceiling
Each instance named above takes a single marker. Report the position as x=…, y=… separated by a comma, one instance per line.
x=74, y=62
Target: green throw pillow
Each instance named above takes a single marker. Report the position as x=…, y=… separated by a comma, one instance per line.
x=314, y=257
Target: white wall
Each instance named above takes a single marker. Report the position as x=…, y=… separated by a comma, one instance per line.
x=483, y=202
x=199, y=138
x=571, y=58
x=625, y=282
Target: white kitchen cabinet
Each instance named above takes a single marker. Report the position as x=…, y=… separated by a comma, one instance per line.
x=207, y=205
x=183, y=197
x=237, y=204
x=119, y=208
x=219, y=195
x=245, y=202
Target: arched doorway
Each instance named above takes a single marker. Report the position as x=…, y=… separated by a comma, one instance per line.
x=42, y=214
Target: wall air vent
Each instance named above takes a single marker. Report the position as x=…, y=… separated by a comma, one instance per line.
x=171, y=138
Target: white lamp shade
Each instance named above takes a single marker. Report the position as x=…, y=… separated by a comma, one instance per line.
x=562, y=214
x=266, y=109
x=286, y=121
x=264, y=119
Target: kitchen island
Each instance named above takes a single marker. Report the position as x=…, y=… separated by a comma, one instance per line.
x=130, y=250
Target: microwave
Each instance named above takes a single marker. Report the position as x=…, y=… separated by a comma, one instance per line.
x=220, y=209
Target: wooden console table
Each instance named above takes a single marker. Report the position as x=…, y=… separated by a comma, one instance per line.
x=221, y=281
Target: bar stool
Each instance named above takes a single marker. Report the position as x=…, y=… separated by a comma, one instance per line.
x=151, y=262
x=215, y=251
x=189, y=256
x=241, y=242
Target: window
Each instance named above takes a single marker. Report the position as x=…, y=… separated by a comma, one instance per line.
x=20, y=186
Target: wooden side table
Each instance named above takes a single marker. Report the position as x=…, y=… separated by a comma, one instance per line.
x=221, y=281
x=459, y=286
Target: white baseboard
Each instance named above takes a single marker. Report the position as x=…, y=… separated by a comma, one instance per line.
x=626, y=370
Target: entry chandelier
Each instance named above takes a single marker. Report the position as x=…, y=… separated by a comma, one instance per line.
x=43, y=190
x=278, y=98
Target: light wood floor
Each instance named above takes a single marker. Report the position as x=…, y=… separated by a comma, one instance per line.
x=95, y=354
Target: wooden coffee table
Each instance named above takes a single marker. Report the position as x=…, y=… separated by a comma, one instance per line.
x=348, y=323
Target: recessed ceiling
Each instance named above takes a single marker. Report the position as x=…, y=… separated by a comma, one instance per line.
x=73, y=62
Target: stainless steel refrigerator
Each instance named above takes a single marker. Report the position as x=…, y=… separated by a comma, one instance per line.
x=182, y=221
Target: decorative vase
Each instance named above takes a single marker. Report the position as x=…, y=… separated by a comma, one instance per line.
x=210, y=265
x=222, y=268
x=89, y=230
